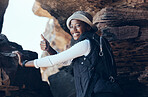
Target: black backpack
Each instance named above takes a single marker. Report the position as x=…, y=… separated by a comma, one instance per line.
x=107, y=57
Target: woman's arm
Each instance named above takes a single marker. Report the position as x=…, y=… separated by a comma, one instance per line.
x=29, y=64
x=79, y=49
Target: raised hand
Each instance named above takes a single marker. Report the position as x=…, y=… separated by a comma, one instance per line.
x=44, y=44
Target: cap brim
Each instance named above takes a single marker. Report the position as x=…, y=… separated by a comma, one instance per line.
x=81, y=18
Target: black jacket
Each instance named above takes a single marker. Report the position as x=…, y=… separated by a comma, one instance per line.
x=90, y=69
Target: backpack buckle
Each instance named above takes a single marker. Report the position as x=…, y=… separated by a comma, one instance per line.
x=111, y=78
x=100, y=53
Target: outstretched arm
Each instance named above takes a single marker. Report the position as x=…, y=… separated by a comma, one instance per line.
x=79, y=49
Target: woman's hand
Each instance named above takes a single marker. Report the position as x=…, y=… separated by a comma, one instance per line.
x=22, y=62
x=44, y=44
x=19, y=54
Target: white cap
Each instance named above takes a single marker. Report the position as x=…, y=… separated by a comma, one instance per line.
x=82, y=16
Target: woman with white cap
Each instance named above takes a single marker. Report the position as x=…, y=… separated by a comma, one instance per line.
x=84, y=54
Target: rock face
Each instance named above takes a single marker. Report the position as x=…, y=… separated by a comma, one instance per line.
x=11, y=74
x=62, y=9
x=126, y=27
x=3, y=6
x=126, y=24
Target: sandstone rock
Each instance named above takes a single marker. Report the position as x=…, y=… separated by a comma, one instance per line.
x=120, y=33
x=144, y=33
x=127, y=27
x=18, y=76
x=58, y=39
x=4, y=78
x=3, y=6
x=144, y=76
x=122, y=17
x=37, y=10
x=62, y=9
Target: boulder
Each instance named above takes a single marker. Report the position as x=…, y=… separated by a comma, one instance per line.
x=3, y=6
x=126, y=27
x=12, y=74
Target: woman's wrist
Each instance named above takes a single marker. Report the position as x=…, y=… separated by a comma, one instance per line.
x=23, y=63
x=51, y=51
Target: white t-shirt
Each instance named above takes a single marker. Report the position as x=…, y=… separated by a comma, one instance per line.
x=79, y=49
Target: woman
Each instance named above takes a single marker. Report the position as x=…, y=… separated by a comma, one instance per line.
x=84, y=54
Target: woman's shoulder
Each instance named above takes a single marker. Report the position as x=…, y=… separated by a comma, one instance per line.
x=83, y=43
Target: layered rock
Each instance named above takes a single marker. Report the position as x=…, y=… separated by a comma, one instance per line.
x=126, y=23
x=62, y=9
x=14, y=75
x=126, y=28
x=3, y=6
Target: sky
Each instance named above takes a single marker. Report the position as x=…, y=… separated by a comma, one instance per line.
x=22, y=26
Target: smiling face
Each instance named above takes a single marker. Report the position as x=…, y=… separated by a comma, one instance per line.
x=77, y=27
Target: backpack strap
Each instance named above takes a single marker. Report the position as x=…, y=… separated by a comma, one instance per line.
x=101, y=54
x=100, y=44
